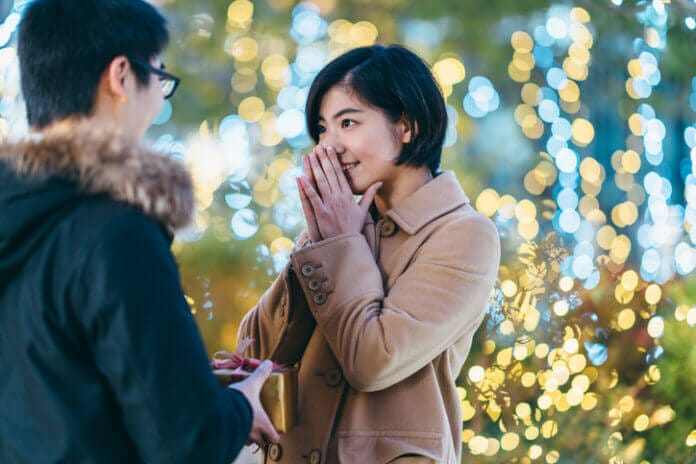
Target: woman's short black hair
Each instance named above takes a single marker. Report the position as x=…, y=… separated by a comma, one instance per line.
x=64, y=46
x=397, y=81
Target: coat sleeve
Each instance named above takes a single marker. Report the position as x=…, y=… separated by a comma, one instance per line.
x=147, y=346
x=281, y=323
x=382, y=338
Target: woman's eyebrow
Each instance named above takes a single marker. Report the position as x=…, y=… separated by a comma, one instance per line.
x=341, y=113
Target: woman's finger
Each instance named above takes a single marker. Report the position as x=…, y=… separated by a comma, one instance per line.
x=308, y=170
x=314, y=199
x=323, y=187
x=369, y=196
x=329, y=169
x=310, y=218
x=340, y=175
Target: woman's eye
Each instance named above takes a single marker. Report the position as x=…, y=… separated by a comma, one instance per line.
x=321, y=129
x=347, y=123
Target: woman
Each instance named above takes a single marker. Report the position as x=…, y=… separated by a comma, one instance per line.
x=381, y=297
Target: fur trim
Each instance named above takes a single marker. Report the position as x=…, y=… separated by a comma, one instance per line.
x=101, y=161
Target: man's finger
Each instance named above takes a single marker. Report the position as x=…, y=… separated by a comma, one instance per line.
x=263, y=372
x=267, y=430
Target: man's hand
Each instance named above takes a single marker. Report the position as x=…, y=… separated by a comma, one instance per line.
x=262, y=431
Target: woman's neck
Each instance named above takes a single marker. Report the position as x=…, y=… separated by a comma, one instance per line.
x=404, y=184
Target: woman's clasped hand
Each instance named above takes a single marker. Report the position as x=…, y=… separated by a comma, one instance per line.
x=327, y=199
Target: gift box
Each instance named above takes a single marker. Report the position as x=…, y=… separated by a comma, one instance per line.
x=279, y=392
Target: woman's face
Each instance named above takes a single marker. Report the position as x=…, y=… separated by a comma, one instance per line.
x=366, y=141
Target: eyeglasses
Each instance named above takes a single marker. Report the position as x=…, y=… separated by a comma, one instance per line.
x=168, y=82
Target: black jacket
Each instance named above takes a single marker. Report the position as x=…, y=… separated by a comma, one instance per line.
x=100, y=358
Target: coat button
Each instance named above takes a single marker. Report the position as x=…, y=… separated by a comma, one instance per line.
x=315, y=457
x=333, y=378
x=388, y=228
x=320, y=298
x=314, y=285
x=307, y=270
x=275, y=452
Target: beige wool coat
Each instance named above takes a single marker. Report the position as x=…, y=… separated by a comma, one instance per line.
x=381, y=324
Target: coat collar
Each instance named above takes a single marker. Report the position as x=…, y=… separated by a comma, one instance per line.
x=102, y=161
x=434, y=199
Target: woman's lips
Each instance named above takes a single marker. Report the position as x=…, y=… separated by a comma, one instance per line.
x=348, y=167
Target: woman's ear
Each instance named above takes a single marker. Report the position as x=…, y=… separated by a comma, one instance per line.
x=408, y=128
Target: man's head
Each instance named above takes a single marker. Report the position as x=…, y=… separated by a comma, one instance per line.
x=96, y=58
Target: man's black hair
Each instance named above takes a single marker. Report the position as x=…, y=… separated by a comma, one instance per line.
x=66, y=45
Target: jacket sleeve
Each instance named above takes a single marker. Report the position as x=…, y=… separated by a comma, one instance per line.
x=382, y=338
x=281, y=323
x=147, y=346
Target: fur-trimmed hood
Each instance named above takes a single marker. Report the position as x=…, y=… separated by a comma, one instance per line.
x=100, y=161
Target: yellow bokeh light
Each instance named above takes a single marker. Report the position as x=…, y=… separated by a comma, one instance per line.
x=691, y=439
x=522, y=42
x=566, y=283
x=245, y=49
x=626, y=319
x=583, y=132
x=531, y=433
x=478, y=444
x=509, y=441
x=589, y=401
x=605, y=236
x=560, y=308
x=449, y=71
x=476, y=374
x=590, y=170
x=620, y=249
x=535, y=451
x=509, y=288
x=581, y=383
x=252, y=109
x=571, y=92
x=630, y=161
x=529, y=93
x=629, y=280
x=517, y=74
x=653, y=294
x=240, y=12
x=641, y=423
x=363, y=34
x=487, y=202
x=523, y=61
x=580, y=15
x=656, y=327
x=635, y=123
x=549, y=429
x=275, y=70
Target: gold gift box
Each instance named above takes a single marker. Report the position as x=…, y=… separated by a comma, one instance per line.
x=278, y=395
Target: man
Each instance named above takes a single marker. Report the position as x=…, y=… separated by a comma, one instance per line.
x=100, y=358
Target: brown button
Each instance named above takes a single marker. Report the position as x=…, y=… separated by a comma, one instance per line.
x=275, y=452
x=388, y=228
x=315, y=457
x=307, y=270
x=314, y=285
x=320, y=298
x=333, y=378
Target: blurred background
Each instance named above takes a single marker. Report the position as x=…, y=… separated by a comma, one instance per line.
x=571, y=126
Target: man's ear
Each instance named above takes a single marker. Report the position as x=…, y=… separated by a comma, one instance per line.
x=116, y=79
x=408, y=129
